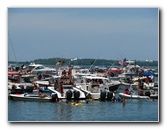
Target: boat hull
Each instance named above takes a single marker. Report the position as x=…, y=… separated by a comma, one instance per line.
x=114, y=87
x=22, y=97
x=126, y=96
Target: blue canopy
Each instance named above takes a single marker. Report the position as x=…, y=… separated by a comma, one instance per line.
x=148, y=73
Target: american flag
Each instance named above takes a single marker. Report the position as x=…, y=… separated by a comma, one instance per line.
x=122, y=62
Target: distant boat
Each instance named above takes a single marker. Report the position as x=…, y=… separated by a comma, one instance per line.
x=39, y=68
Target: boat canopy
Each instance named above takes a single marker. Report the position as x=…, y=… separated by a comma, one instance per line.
x=95, y=77
x=148, y=73
x=55, y=76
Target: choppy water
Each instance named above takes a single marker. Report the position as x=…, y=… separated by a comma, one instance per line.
x=134, y=110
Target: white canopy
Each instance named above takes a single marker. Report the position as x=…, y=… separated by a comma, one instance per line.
x=95, y=77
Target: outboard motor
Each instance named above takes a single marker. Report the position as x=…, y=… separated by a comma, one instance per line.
x=102, y=95
x=68, y=95
x=54, y=97
x=109, y=96
x=76, y=95
x=21, y=91
x=147, y=93
x=21, y=86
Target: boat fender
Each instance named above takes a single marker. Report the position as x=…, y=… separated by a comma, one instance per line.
x=54, y=97
x=76, y=95
x=102, y=95
x=68, y=95
x=21, y=86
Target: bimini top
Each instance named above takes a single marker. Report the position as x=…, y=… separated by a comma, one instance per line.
x=95, y=77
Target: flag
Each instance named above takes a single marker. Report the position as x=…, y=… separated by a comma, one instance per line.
x=122, y=62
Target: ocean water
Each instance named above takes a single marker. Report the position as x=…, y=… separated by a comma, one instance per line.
x=132, y=111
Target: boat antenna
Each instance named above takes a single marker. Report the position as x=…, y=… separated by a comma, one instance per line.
x=112, y=64
x=92, y=64
x=12, y=47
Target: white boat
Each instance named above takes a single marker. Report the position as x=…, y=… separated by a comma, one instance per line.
x=39, y=68
x=67, y=89
x=133, y=96
x=27, y=97
x=94, y=85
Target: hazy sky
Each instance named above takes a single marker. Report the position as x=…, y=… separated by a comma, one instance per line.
x=104, y=33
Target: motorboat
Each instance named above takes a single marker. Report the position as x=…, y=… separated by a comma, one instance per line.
x=94, y=86
x=29, y=97
x=65, y=86
x=132, y=96
x=136, y=96
x=39, y=68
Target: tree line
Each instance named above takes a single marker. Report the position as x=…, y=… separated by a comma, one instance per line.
x=85, y=61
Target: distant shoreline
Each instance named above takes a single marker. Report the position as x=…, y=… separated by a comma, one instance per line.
x=85, y=61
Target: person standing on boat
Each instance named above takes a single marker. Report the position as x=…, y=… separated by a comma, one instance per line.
x=131, y=89
x=140, y=88
x=57, y=65
x=61, y=88
x=70, y=74
x=56, y=85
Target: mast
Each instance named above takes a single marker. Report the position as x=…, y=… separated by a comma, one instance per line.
x=12, y=47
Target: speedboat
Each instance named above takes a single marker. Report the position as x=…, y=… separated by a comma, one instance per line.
x=64, y=86
x=133, y=96
x=96, y=87
x=28, y=97
x=148, y=95
x=39, y=68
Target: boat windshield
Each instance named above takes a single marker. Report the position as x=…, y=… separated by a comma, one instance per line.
x=40, y=67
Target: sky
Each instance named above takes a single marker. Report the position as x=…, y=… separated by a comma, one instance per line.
x=101, y=33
